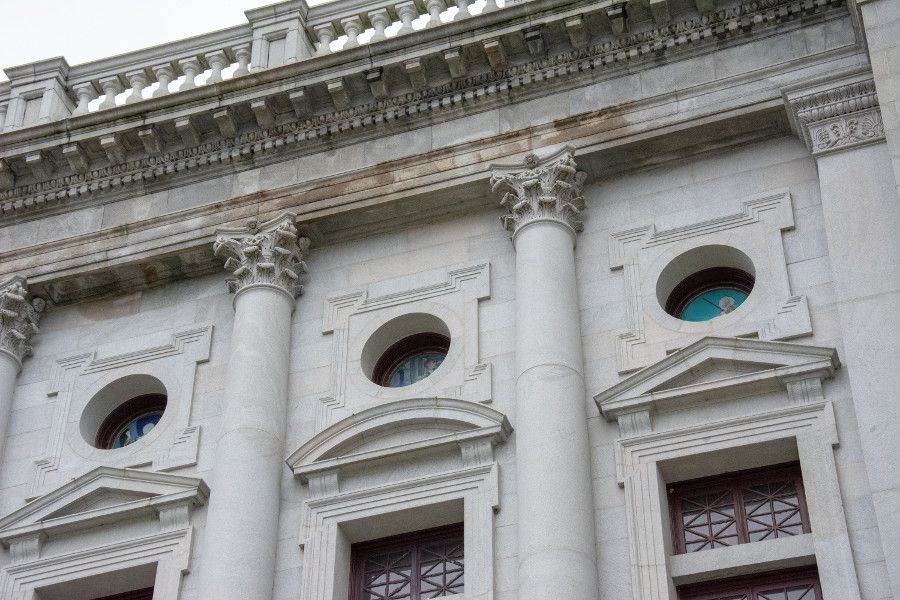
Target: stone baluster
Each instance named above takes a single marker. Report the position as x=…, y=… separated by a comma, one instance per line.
x=325, y=34
x=242, y=53
x=217, y=62
x=381, y=20
x=138, y=81
x=435, y=8
x=3, y=108
x=463, y=12
x=85, y=92
x=353, y=26
x=112, y=87
x=191, y=68
x=164, y=75
x=266, y=260
x=557, y=555
x=408, y=13
x=19, y=316
x=489, y=6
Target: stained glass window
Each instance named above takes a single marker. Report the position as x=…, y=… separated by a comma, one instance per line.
x=411, y=360
x=738, y=508
x=418, y=566
x=131, y=421
x=709, y=293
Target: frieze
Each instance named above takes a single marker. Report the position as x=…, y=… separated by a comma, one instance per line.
x=648, y=45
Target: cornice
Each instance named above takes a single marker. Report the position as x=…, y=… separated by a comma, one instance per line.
x=837, y=114
x=535, y=76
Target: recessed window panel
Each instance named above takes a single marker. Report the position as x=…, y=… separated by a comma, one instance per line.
x=801, y=584
x=416, y=566
x=739, y=508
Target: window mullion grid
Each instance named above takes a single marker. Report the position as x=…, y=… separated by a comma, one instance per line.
x=415, y=575
x=740, y=514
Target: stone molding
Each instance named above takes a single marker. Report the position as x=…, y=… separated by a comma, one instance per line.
x=19, y=316
x=363, y=440
x=266, y=254
x=450, y=294
x=772, y=312
x=103, y=496
x=547, y=189
x=74, y=379
x=624, y=51
x=648, y=451
x=839, y=117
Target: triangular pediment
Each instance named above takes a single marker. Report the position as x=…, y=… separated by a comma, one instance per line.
x=395, y=428
x=103, y=494
x=715, y=366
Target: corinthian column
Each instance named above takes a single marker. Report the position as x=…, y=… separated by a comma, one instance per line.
x=19, y=315
x=557, y=556
x=242, y=522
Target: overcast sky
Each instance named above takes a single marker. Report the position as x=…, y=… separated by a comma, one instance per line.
x=32, y=30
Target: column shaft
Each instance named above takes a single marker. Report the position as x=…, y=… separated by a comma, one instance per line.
x=242, y=524
x=557, y=556
x=557, y=538
x=241, y=535
x=9, y=373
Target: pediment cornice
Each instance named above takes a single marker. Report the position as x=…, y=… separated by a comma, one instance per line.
x=64, y=509
x=337, y=447
x=752, y=365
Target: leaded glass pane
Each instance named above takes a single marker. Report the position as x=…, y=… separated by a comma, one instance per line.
x=773, y=510
x=708, y=521
x=416, y=368
x=388, y=577
x=441, y=570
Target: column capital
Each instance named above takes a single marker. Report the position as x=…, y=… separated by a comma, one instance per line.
x=19, y=316
x=546, y=189
x=836, y=115
x=266, y=254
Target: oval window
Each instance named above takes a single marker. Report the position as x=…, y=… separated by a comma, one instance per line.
x=411, y=360
x=131, y=421
x=709, y=293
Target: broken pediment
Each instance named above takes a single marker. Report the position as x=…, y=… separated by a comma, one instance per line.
x=396, y=428
x=716, y=367
x=101, y=496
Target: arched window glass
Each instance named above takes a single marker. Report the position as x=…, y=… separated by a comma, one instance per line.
x=131, y=421
x=411, y=360
x=709, y=294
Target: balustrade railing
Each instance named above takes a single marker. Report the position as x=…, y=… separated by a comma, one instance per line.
x=265, y=41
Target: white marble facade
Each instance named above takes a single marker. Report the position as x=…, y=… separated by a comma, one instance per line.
x=247, y=221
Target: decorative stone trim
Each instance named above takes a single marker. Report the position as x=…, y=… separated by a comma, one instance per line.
x=264, y=254
x=839, y=117
x=74, y=379
x=772, y=311
x=103, y=496
x=19, y=316
x=648, y=451
x=625, y=51
x=546, y=190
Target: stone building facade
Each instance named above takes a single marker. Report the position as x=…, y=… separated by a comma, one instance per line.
x=558, y=299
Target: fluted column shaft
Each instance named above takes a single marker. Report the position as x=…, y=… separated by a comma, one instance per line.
x=242, y=522
x=19, y=316
x=557, y=555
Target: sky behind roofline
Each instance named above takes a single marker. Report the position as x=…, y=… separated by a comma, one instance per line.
x=32, y=30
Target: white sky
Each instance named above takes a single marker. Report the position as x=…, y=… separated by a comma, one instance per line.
x=32, y=30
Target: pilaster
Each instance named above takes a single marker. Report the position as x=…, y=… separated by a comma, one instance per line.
x=840, y=120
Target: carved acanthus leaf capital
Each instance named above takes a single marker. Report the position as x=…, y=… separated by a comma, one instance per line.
x=269, y=253
x=19, y=316
x=541, y=189
x=837, y=116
